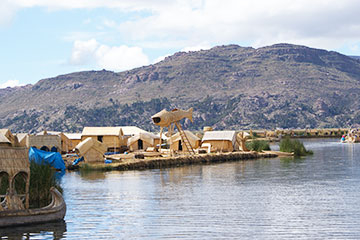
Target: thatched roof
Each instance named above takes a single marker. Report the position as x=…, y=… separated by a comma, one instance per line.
x=21, y=136
x=145, y=136
x=192, y=137
x=219, y=135
x=4, y=139
x=101, y=131
x=4, y=131
x=132, y=130
x=73, y=136
x=89, y=143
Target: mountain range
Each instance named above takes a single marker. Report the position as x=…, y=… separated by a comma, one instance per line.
x=229, y=87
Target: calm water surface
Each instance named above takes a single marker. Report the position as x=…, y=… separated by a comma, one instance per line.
x=316, y=197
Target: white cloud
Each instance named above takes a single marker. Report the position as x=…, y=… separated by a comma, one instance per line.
x=326, y=24
x=126, y=5
x=83, y=52
x=161, y=23
x=199, y=47
x=7, y=11
x=116, y=58
x=10, y=83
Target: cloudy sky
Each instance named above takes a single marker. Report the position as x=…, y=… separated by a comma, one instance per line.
x=46, y=38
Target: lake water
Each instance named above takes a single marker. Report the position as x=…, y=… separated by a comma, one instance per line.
x=317, y=197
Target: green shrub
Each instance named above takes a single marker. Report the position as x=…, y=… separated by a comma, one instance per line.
x=295, y=146
x=258, y=145
x=42, y=178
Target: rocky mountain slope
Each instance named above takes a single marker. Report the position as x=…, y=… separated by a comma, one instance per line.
x=230, y=87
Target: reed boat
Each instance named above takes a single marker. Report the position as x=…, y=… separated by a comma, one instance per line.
x=55, y=211
x=14, y=204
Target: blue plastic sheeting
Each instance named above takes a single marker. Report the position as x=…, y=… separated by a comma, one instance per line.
x=107, y=161
x=111, y=153
x=54, y=159
x=76, y=161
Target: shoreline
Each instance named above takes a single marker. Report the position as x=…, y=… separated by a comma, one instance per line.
x=167, y=162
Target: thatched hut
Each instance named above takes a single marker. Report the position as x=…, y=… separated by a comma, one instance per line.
x=141, y=141
x=176, y=141
x=223, y=141
x=110, y=136
x=4, y=141
x=22, y=138
x=66, y=144
x=91, y=149
x=8, y=135
x=130, y=131
x=44, y=142
x=75, y=139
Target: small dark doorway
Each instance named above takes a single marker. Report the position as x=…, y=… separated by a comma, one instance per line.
x=180, y=146
x=140, y=144
x=54, y=149
x=45, y=148
x=100, y=138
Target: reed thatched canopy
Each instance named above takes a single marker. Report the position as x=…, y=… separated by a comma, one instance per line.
x=14, y=160
x=192, y=137
x=144, y=136
x=101, y=131
x=90, y=143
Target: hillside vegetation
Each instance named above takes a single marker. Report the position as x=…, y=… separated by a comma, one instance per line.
x=229, y=87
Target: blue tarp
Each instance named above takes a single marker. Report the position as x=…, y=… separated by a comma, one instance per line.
x=76, y=161
x=53, y=158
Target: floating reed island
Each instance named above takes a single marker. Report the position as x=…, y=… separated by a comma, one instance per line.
x=175, y=161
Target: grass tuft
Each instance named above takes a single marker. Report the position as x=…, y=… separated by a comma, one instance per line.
x=258, y=145
x=42, y=178
x=295, y=146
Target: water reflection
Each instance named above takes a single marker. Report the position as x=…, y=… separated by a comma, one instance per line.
x=315, y=197
x=92, y=175
x=53, y=230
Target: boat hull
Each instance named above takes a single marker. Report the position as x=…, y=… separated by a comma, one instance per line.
x=55, y=211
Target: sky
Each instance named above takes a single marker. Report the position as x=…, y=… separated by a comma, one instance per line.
x=46, y=38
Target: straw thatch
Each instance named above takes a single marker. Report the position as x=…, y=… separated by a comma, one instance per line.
x=111, y=136
x=176, y=144
x=14, y=161
x=101, y=131
x=66, y=144
x=22, y=138
x=75, y=139
x=13, y=139
x=131, y=130
x=41, y=141
x=4, y=141
x=142, y=140
x=92, y=150
x=224, y=141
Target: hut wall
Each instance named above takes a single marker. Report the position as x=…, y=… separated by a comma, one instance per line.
x=134, y=146
x=157, y=141
x=221, y=145
x=93, y=156
x=23, y=142
x=39, y=141
x=66, y=144
x=74, y=142
x=113, y=142
x=175, y=145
